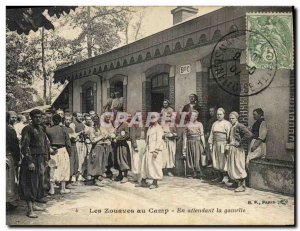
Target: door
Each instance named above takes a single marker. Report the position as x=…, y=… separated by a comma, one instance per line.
x=89, y=100
x=157, y=101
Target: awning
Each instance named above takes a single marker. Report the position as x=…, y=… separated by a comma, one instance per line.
x=42, y=108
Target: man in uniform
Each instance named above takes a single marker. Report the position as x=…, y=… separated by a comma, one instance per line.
x=79, y=127
x=12, y=160
x=35, y=148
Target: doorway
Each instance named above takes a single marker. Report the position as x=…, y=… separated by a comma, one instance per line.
x=157, y=101
x=217, y=97
x=159, y=91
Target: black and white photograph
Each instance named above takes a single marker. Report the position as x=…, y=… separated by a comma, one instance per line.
x=150, y=115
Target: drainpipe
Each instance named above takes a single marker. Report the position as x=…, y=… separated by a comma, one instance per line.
x=101, y=88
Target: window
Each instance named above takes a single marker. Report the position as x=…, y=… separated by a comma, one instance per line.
x=88, y=96
x=161, y=80
x=89, y=99
x=117, y=86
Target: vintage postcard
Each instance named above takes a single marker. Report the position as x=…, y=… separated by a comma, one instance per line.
x=161, y=115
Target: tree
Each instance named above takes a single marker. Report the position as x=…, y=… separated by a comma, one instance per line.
x=100, y=28
x=21, y=67
x=23, y=20
x=133, y=24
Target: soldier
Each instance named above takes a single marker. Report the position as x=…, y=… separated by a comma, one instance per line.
x=79, y=128
x=260, y=130
x=35, y=148
x=12, y=160
x=152, y=162
x=74, y=155
x=60, y=141
x=218, y=140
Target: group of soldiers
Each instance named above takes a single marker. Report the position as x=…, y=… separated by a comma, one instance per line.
x=75, y=149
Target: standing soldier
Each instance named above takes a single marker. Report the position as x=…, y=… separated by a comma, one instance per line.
x=12, y=119
x=193, y=105
x=258, y=148
x=236, y=153
x=107, y=129
x=194, y=146
x=122, y=151
x=12, y=160
x=98, y=154
x=166, y=107
x=218, y=140
x=35, y=148
x=137, y=142
x=81, y=147
x=117, y=103
x=152, y=162
x=210, y=122
x=60, y=141
x=169, y=137
x=107, y=107
x=74, y=155
x=20, y=125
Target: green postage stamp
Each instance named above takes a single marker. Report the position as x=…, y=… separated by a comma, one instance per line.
x=273, y=33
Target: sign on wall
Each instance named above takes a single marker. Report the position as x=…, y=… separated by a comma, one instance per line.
x=185, y=69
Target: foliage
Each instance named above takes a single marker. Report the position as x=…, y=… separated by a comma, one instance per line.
x=100, y=28
x=23, y=20
x=21, y=66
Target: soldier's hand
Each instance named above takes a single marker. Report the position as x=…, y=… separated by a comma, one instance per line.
x=31, y=167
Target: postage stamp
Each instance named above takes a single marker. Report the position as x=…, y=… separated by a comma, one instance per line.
x=277, y=28
x=227, y=67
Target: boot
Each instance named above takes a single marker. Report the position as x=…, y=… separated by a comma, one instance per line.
x=225, y=178
x=51, y=191
x=142, y=184
x=153, y=185
x=240, y=187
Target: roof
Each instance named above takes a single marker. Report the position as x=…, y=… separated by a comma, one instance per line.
x=42, y=108
x=178, y=38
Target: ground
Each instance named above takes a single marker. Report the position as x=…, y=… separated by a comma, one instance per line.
x=176, y=201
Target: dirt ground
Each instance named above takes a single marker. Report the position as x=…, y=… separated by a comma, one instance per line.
x=178, y=201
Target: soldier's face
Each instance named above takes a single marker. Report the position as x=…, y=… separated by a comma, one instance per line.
x=61, y=113
x=165, y=104
x=80, y=117
x=255, y=115
x=129, y=117
x=107, y=118
x=37, y=119
x=192, y=98
x=220, y=115
x=232, y=119
x=89, y=122
x=13, y=118
x=68, y=121
x=211, y=112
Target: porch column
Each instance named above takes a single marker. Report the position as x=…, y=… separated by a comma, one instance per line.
x=146, y=95
x=125, y=93
x=70, y=103
x=172, y=86
x=201, y=89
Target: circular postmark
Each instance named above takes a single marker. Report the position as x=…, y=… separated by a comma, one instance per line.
x=240, y=70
